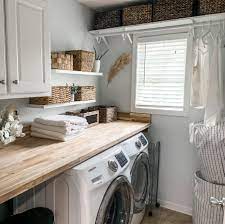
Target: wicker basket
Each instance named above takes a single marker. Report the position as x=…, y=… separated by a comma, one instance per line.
x=85, y=93
x=92, y=117
x=172, y=9
x=60, y=94
x=109, y=19
x=211, y=7
x=139, y=14
x=61, y=60
x=107, y=114
x=82, y=60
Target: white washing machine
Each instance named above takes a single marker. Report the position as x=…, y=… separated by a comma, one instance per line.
x=137, y=150
x=97, y=191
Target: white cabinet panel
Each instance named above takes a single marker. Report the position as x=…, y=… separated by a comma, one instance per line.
x=3, y=80
x=28, y=46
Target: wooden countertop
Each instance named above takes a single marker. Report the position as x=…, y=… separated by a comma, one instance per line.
x=31, y=161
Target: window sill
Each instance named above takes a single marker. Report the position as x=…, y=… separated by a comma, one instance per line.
x=160, y=112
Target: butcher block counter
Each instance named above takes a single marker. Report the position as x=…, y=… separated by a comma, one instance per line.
x=31, y=161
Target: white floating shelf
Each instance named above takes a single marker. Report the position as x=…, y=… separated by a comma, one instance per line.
x=135, y=29
x=57, y=71
x=62, y=104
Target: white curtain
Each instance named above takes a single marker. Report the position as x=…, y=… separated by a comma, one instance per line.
x=207, y=78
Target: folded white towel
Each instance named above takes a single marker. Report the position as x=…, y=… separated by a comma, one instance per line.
x=40, y=135
x=73, y=129
x=62, y=120
x=54, y=134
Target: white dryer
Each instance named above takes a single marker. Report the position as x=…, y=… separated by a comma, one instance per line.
x=97, y=191
x=137, y=150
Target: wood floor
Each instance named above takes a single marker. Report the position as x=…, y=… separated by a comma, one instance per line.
x=165, y=216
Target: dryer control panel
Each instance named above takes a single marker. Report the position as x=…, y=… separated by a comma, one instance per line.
x=121, y=158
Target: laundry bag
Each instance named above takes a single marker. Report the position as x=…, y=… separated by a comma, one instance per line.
x=203, y=211
x=210, y=144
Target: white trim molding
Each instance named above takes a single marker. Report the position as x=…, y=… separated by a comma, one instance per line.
x=179, y=32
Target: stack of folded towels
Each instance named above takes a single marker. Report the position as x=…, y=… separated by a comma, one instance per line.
x=58, y=127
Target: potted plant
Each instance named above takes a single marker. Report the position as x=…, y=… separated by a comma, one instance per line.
x=74, y=90
x=98, y=58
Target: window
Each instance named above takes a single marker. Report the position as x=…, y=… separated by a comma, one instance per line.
x=160, y=79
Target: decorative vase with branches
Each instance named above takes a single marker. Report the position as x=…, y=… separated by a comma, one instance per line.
x=98, y=58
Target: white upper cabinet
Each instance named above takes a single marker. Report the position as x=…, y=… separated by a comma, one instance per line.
x=28, y=50
x=3, y=79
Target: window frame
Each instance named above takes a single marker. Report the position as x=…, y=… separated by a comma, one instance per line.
x=164, y=35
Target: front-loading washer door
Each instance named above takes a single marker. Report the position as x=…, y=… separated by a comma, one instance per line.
x=117, y=203
x=140, y=181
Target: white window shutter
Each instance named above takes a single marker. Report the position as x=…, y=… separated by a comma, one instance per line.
x=160, y=74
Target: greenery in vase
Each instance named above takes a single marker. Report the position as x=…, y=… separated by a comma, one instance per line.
x=74, y=89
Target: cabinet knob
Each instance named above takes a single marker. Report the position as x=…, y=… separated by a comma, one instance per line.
x=16, y=82
x=2, y=82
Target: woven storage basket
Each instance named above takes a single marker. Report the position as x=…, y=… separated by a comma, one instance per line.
x=109, y=19
x=107, y=114
x=211, y=6
x=137, y=14
x=61, y=60
x=60, y=94
x=210, y=144
x=85, y=93
x=203, y=211
x=82, y=60
x=172, y=9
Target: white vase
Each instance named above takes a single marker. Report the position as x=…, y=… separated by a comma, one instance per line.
x=72, y=97
x=97, y=66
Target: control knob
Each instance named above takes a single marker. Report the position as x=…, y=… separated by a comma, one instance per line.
x=138, y=144
x=113, y=166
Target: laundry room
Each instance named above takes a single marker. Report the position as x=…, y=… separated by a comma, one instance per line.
x=112, y=112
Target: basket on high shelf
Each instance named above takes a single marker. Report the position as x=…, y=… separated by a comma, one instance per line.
x=82, y=60
x=61, y=60
x=85, y=93
x=60, y=94
x=172, y=9
x=109, y=19
x=138, y=14
x=211, y=7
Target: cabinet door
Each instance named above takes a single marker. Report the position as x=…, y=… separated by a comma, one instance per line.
x=3, y=89
x=28, y=46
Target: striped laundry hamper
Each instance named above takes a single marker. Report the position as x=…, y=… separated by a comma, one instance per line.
x=209, y=202
x=210, y=144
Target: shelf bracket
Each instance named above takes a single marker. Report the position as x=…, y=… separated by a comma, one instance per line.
x=98, y=39
x=127, y=36
x=105, y=41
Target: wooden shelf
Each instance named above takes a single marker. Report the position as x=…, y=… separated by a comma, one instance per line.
x=57, y=71
x=135, y=29
x=62, y=104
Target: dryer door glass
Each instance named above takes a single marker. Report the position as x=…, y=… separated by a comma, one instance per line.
x=117, y=204
x=140, y=181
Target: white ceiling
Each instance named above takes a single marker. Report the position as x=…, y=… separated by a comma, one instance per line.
x=97, y=4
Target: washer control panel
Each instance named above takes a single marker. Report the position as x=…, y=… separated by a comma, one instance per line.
x=121, y=158
x=143, y=140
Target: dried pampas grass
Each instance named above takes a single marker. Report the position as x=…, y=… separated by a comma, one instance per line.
x=119, y=65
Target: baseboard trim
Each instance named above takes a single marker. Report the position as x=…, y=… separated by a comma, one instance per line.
x=176, y=207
